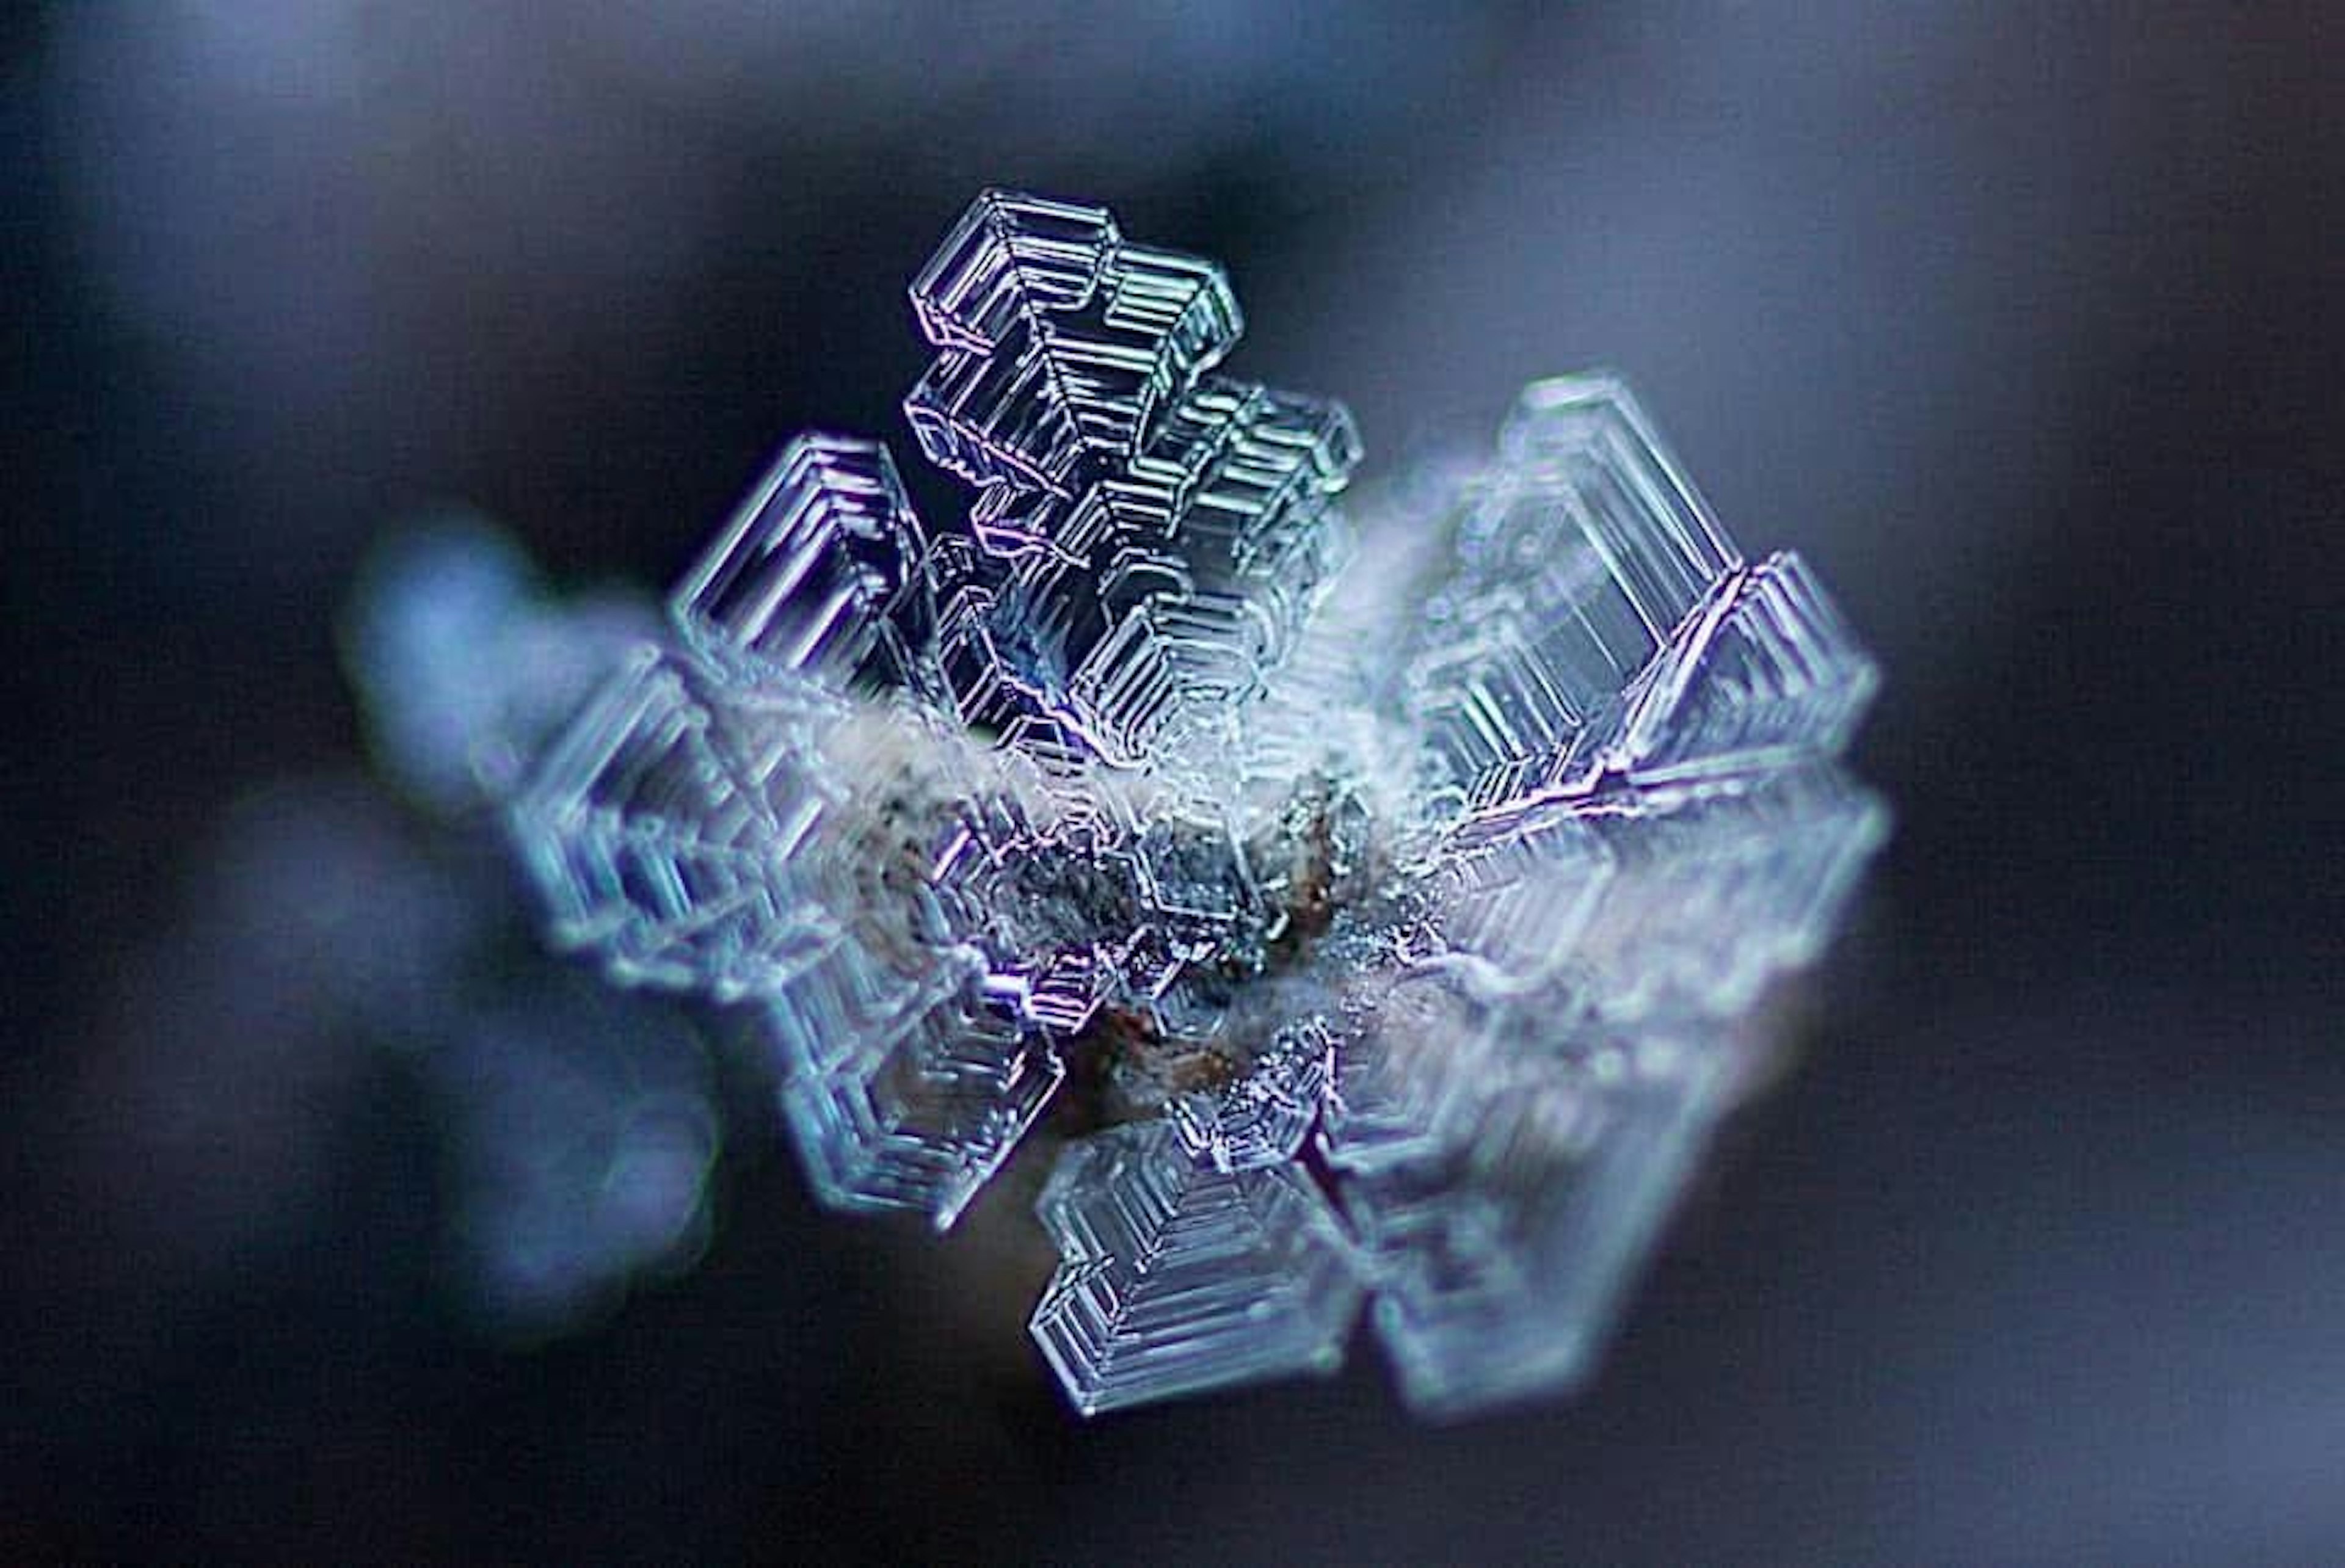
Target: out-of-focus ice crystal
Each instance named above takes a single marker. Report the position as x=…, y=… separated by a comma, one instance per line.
x=1368, y=912
x=578, y=1123
x=468, y=666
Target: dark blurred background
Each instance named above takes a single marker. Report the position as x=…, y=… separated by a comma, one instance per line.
x=2024, y=322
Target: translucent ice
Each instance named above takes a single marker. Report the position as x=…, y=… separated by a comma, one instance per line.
x=818, y=574
x=1499, y=1256
x=1149, y=538
x=1364, y=908
x=1178, y=1276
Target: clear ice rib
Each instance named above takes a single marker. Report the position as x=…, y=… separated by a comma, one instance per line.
x=1369, y=910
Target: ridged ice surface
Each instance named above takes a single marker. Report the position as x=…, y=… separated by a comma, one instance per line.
x=1180, y=1276
x=1150, y=538
x=1374, y=906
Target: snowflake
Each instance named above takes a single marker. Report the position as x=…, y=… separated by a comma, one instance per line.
x=1370, y=908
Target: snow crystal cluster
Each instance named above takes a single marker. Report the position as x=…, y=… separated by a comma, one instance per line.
x=1370, y=910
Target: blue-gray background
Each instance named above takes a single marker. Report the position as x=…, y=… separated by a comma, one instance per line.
x=2024, y=322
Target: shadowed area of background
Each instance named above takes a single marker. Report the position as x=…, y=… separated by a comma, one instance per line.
x=2023, y=328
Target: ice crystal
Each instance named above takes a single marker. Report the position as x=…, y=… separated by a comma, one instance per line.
x=1385, y=909
x=578, y=1123
x=1180, y=1275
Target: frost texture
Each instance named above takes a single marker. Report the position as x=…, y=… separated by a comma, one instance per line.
x=1370, y=912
